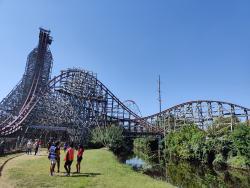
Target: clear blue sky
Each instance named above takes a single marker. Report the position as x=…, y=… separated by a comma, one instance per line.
x=202, y=47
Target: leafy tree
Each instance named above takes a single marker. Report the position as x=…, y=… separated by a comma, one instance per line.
x=241, y=140
x=218, y=127
x=113, y=137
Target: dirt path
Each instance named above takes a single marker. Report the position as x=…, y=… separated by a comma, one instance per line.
x=10, y=161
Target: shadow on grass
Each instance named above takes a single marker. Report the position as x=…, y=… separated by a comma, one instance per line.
x=84, y=174
x=41, y=155
x=1, y=168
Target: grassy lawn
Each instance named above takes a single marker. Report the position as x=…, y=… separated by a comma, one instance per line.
x=5, y=158
x=99, y=168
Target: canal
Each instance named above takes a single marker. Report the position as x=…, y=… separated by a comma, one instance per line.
x=186, y=174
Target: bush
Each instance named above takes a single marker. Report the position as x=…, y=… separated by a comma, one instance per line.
x=238, y=162
x=219, y=160
x=191, y=143
x=112, y=136
x=241, y=140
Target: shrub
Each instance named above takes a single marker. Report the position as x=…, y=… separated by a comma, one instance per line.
x=112, y=136
x=241, y=140
x=238, y=162
x=191, y=143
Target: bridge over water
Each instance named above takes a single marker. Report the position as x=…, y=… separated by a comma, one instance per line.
x=76, y=102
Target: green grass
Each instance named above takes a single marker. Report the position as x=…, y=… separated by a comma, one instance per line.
x=5, y=157
x=99, y=168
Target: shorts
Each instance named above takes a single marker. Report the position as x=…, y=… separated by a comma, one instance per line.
x=53, y=161
x=58, y=159
x=68, y=163
x=79, y=159
x=29, y=150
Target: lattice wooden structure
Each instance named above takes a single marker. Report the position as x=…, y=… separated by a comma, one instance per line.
x=76, y=102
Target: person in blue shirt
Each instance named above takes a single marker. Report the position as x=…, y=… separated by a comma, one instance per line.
x=65, y=146
x=54, y=154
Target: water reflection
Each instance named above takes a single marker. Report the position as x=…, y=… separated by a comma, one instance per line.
x=136, y=162
x=182, y=173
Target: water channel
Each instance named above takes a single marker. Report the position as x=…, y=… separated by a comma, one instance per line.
x=182, y=173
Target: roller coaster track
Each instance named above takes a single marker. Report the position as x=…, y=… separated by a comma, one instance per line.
x=201, y=112
x=78, y=102
x=192, y=102
x=26, y=110
x=133, y=102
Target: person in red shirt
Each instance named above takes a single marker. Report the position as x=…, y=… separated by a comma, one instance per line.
x=39, y=146
x=58, y=158
x=79, y=158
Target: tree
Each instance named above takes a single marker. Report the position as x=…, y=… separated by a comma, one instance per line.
x=241, y=140
x=218, y=125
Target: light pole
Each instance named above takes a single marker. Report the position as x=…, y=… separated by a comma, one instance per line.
x=159, y=137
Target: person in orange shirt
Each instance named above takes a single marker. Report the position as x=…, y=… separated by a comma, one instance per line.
x=69, y=157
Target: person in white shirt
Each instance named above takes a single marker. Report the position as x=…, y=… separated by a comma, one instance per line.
x=35, y=146
x=29, y=146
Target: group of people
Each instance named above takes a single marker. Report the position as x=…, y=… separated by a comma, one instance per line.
x=54, y=156
x=36, y=145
